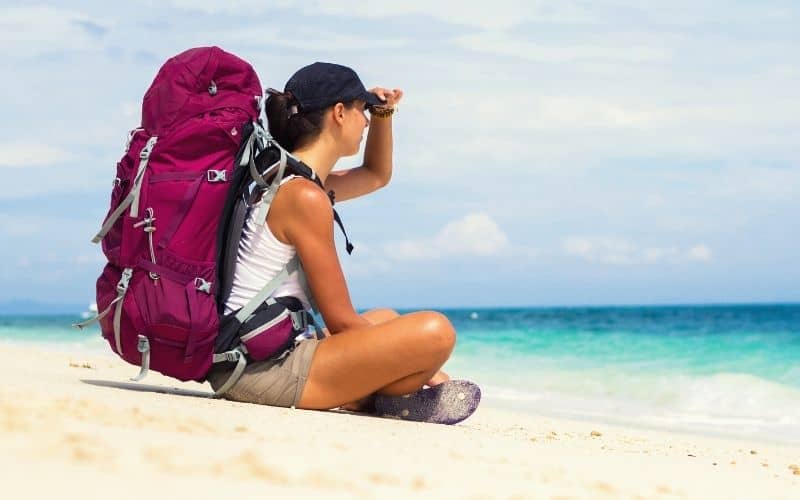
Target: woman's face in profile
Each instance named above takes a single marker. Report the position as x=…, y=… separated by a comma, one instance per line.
x=355, y=122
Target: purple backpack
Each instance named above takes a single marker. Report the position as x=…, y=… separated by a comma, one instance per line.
x=182, y=190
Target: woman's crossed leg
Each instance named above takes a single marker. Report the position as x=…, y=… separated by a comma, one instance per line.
x=393, y=356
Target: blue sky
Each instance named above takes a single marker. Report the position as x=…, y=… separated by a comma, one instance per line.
x=547, y=153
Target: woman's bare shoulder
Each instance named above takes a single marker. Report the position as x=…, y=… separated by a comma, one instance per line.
x=299, y=202
x=303, y=194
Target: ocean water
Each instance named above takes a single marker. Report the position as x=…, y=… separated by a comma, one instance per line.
x=729, y=370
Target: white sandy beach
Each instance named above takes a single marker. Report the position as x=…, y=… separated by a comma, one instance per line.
x=73, y=427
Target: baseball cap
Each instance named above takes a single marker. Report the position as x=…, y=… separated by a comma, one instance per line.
x=322, y=84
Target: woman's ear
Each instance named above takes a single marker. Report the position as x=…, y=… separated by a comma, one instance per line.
x=338, y=112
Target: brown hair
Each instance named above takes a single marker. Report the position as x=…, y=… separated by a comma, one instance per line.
x=291, y=127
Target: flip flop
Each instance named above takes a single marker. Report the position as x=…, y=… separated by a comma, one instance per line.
x=447, y=403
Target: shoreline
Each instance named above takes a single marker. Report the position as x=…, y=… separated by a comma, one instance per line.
x=77, y=421
x=99, y=350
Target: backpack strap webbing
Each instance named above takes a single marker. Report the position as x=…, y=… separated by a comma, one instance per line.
x=227, y=261
x=234, y=355
x=132, y=200
x=267, y=290
x=241, y=316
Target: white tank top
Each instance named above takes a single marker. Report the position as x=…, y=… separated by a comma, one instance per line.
x=261, y=256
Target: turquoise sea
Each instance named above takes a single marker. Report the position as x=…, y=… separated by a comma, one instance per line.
x=731, y=370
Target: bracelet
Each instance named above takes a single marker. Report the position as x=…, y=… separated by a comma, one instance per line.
x=382, y=111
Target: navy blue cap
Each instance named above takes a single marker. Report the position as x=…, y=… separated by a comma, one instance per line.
x=321, y=84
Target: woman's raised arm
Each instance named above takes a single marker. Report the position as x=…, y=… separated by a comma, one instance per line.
x=376, y=171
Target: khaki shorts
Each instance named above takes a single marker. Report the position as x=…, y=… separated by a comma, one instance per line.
x=274, y=383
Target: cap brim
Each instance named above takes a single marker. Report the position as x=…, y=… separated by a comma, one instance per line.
x=372, y=100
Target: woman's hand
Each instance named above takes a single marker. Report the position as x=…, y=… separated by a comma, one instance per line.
x=390, y=96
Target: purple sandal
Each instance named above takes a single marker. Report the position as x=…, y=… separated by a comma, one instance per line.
x=447, y=403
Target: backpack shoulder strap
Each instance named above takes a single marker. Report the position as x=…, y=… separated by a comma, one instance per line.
x=267, y=290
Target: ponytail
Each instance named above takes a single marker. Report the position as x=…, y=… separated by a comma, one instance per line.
x=288, y=125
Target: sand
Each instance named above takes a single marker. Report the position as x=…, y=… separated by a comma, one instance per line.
x=75, y=428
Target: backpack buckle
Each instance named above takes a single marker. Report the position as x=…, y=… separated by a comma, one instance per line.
x=299, y=320
x=124, y=280
x=202, y=285
x=148, y=148
x=216, y=176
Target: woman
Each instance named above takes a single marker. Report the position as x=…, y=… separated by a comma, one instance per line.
x=378, y=358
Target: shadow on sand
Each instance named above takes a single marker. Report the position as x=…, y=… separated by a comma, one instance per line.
x=134, y=386
x=160, y=389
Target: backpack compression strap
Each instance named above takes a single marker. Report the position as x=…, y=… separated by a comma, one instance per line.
x=258, y=140
x=132, y=200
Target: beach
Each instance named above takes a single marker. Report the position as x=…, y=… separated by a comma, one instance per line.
x=75, y=427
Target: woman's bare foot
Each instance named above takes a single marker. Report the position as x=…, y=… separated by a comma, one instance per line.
x=437, y=379
x=365, y=405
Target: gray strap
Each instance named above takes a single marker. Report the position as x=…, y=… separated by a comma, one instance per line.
x=260, y=217
x=276, y=182
x=84, y=324
x=122, y=289
x=258, y=134
x=130, y=138
x=241, y=364
x=266, y=291
x=133, y=195
x=261, y=135
x=269, y=194
x=113, y=218
x=143, y=347
x=144, y=158
x=117, y=327
x=250, y=150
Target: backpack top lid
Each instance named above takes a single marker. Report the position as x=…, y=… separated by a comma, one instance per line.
x=199, y=80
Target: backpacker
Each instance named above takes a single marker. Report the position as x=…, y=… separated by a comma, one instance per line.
x=182, y=191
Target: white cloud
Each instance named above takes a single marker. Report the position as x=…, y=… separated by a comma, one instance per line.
x=31, y=154
x=474, y=235
x=44, y=233
x=29, y=31
x=232, y=6
x=653, y=200
x=754, y=183
x=493, y=15
x=487, y=15
x=92, y=258
x=498, y=43
x=608, y=250
x=132, y=111
x=311, y=39
x=620, y=251
x=580, y=247
x=655, y=254
x=20, y=226
x=700, y=252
